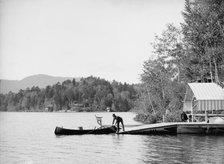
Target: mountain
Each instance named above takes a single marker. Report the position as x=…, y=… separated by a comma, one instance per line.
x=36, y=80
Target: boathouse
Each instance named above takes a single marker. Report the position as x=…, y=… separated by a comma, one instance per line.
x=203, y=97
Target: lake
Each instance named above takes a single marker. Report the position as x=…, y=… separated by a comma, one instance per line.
x=29, y=138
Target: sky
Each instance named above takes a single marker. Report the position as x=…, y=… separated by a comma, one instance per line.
x=109, y=39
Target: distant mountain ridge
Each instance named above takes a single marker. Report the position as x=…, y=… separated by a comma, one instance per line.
x=40, y=80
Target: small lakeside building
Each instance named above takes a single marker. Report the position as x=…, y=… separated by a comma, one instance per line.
x=203, y=98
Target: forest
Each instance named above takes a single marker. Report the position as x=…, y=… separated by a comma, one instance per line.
x=88, y=94
x=191, y=52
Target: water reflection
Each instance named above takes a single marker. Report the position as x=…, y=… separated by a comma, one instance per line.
x=184, y=149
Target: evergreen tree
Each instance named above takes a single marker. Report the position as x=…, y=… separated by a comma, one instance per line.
x=203, y=33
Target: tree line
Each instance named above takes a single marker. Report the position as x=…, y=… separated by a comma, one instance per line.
x=193, y=52
x=88, y=94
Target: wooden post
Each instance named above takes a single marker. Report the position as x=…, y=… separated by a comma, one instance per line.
x=206, y=116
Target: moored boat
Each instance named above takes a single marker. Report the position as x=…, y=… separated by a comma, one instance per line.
x=80, y=131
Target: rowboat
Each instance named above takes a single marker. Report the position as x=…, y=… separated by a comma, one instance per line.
x=81, y=131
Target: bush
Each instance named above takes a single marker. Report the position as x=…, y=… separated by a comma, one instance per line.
x=151, y=119
x=174, y=116
x=141, y=117
x=148, y=118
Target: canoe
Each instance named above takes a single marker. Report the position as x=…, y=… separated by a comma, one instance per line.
x=101, y=130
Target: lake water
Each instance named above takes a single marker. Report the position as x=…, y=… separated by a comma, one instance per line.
x=29, y=138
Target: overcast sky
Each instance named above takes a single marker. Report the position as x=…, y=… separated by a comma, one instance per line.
x=109, y=39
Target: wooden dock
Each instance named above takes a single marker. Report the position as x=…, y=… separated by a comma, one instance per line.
x=177, y=128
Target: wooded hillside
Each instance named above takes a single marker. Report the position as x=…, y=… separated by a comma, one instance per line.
x=89, y=94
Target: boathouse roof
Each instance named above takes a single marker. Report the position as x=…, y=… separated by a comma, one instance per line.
x=203, y=97
x=207, y=91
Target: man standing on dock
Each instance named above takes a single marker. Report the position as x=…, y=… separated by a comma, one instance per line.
x=184, y=117
x=117, y=121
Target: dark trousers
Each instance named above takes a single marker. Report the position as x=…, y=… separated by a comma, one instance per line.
x=118, y=125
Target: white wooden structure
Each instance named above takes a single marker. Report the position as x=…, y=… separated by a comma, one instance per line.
x=203, y=97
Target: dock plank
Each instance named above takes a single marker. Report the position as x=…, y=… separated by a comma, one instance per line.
x=177, y=128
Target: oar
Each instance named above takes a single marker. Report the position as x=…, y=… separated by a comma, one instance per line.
x=127, y=125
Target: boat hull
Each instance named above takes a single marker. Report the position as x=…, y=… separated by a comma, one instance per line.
x=102, y=130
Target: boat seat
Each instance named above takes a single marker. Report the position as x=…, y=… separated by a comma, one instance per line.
x=99, y=120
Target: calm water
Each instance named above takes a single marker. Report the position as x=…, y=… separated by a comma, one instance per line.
x=29, y=138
